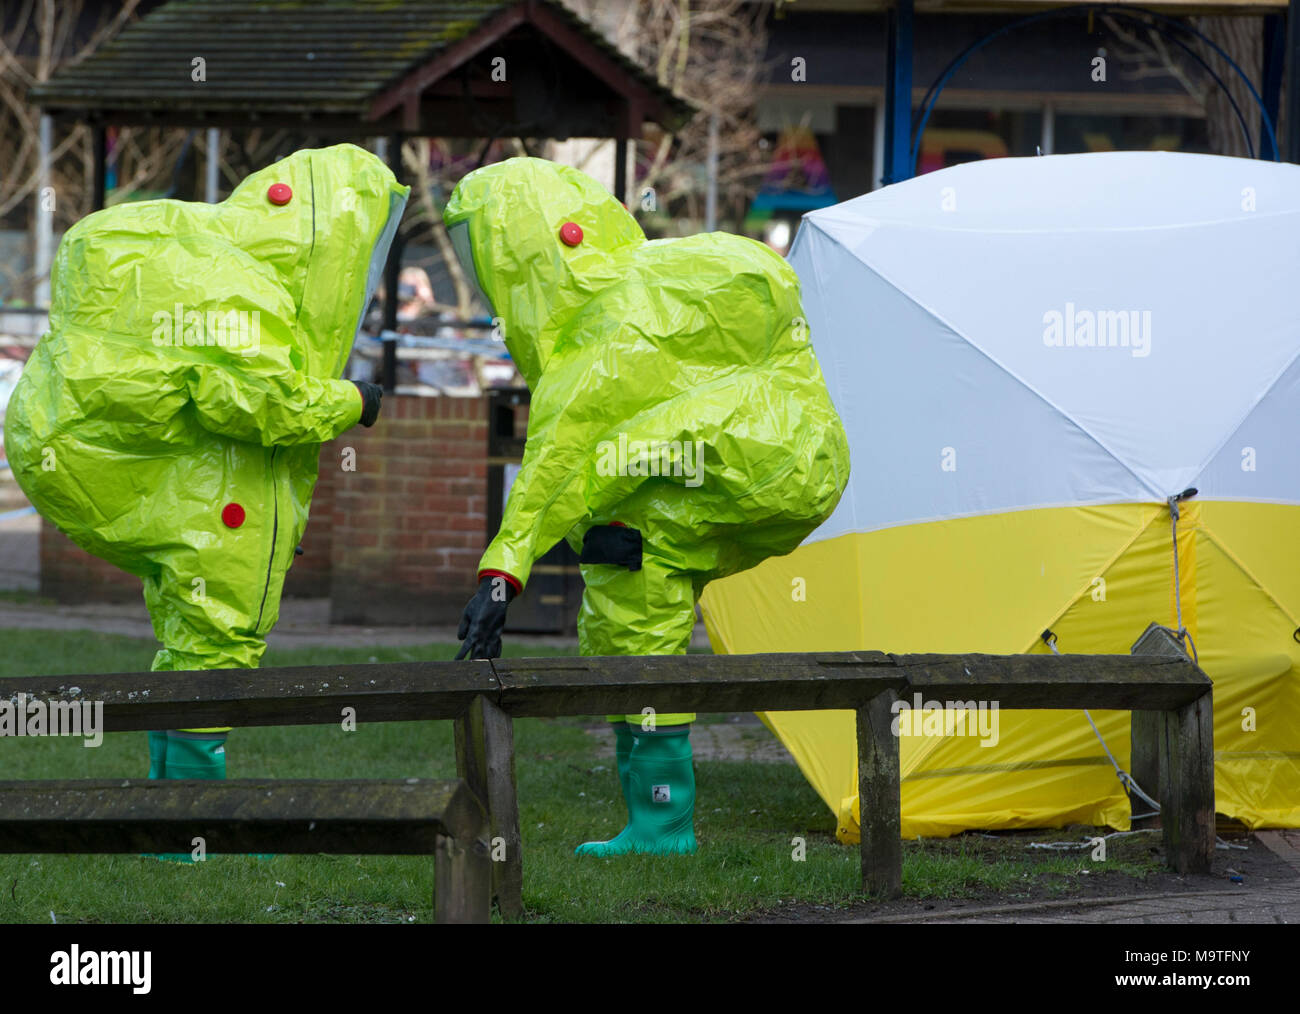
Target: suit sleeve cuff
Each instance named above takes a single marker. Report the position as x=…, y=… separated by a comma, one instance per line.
x=514, y=581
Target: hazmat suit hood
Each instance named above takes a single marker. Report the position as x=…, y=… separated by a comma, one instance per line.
x=327, y=244
x=674, y=386
x=504, y=221
x=351, y=213
x=171, y=419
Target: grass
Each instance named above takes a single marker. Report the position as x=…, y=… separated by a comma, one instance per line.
x=747, y=818
x=18, y=596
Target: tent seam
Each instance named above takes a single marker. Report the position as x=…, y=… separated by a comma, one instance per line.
x=1214, y=540
x=1245, y=418
x=1002, y=366
x=992, y=512
x=1155, y=516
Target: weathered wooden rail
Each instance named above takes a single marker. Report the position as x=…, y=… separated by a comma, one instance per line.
x=413, y=816
x=1169, y=696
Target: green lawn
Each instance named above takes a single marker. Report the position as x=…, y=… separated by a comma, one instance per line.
x=747, y=815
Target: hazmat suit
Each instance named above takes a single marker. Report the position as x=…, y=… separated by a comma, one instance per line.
x=679, y=431
x=171, y=419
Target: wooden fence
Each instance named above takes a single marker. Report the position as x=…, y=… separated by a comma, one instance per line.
x=464, y=822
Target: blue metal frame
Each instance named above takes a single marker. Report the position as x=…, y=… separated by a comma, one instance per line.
x=899, y=165
x=1274, y=63
x=1159, y=22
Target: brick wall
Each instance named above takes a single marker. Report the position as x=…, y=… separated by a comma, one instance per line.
x=309, y=576
x=397, y=541
x=408, y=526
x=71, y=575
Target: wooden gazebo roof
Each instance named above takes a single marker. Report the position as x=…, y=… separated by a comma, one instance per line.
x=437, y=67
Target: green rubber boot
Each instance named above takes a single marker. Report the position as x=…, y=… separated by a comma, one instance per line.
x=199, y=755
x=196, y=755
x=158, y=755
x=660, y=793
x=623, y=740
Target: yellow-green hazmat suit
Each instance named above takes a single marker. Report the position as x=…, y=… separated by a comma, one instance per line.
x=674, y=392
x=171, y=419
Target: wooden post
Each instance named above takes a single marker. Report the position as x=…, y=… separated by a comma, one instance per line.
x=1187, y=786
x=503, y=810
x=1173, y=756
x=485, y=758
x=879, y=798
x=471, y=764
x=462, y=881
x=1147, y=727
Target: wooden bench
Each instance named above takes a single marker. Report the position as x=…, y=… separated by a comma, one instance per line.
x=1169, y=696
x=444, y=819
x=356, y=817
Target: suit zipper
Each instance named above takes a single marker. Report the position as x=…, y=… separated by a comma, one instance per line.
x=275, y=531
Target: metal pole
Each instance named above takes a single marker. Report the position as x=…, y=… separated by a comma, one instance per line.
x=99, y=134
x=1048, y=140
x=878, y=147
x=711, y=194
x=620, y=169
x=898, y=93
x=214, y=154
x=44, y=215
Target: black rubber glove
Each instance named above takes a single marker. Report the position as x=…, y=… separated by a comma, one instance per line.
x=484, y=618
x=612, y=544
x=371, y=395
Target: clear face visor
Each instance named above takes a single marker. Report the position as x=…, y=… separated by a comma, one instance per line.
x=460, y=243
x=379, y=255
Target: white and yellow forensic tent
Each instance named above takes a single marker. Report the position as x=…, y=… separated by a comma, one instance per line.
x=1031, y=357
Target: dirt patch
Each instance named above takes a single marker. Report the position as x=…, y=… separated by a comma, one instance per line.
x=1259, y=868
